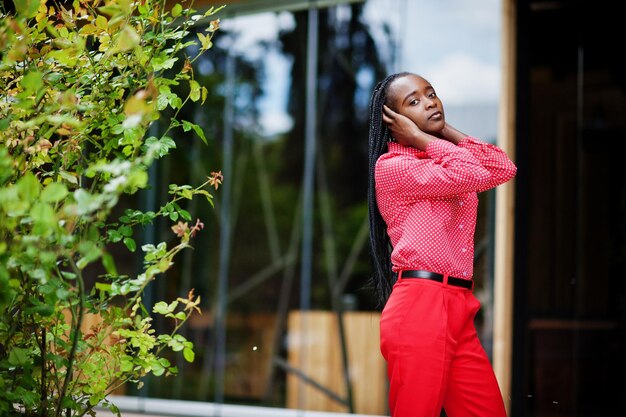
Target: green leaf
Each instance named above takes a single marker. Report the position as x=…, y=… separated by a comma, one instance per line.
x=65, y=57
x=88, y=29
x=27, y=8
x=130, y=244
x=185, y=215
x=26, y=397
x=126, y=364
x=102, y=286
x=114, y=236
x=43, y=213
x=126, y=231
x=109, y=264
x=117, y=129
x=90, y=252
x=126, y=40
x=175, y=101
x=194, y=90
x=161, y=64
x=200, y=133
x=102, y=22
x=32, y=82
x=28, y=187
x=54, y=192
x=189, y=354
x=187, y=126
x=157, y=369
x=94, y=399
x=176, y=10
x=69, y=177
x=159, y=147
x=62, y=293
x=205, y=41
x=19, y=356
x=68, y=275
x=4, y=123
x=163, y=308
x=176, y=345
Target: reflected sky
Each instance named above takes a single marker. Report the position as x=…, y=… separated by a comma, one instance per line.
x=255, y=37
x=455, y=44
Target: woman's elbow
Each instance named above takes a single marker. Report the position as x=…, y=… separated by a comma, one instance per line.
x=511, y=171
x=504, y=175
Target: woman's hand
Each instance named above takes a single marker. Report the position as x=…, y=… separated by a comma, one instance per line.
x=404, y=130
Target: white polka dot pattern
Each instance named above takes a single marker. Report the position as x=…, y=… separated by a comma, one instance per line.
x=429, y=200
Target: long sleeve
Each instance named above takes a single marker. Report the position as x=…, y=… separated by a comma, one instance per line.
x=448, y=170
x=493, y=159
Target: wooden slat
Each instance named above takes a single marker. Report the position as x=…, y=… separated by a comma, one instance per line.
x=314, y=348
x=367, y=367
x=505, y=213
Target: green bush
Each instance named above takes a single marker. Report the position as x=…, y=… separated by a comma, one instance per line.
x=79, y=89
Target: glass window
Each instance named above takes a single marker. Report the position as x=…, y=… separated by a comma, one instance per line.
x=254, y=344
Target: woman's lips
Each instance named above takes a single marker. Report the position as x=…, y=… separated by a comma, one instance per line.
x=435, y=116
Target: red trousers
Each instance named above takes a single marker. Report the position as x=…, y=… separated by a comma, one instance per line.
x=434, y=358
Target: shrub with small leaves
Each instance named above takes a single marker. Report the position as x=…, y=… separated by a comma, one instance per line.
x=80, y=85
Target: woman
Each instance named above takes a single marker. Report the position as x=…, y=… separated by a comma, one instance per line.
x=424, y=176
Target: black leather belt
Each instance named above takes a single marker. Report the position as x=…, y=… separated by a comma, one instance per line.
x=418, y=273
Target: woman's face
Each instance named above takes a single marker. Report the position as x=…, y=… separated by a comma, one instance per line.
x=414, y=97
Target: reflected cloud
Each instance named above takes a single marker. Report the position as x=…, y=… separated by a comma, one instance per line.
x=463, y=79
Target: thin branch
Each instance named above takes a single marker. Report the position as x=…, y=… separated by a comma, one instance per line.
x=44, y=395
x=77, y=325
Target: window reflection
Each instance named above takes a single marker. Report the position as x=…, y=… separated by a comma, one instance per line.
x=359, y=43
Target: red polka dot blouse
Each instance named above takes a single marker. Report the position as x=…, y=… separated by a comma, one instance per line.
x=429, y=199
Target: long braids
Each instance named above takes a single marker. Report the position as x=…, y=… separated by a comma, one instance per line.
x=380, y=245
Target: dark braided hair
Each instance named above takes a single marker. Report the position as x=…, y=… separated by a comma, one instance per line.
x=380, y=246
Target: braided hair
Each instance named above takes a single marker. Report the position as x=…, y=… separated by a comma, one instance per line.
x=380, y=245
